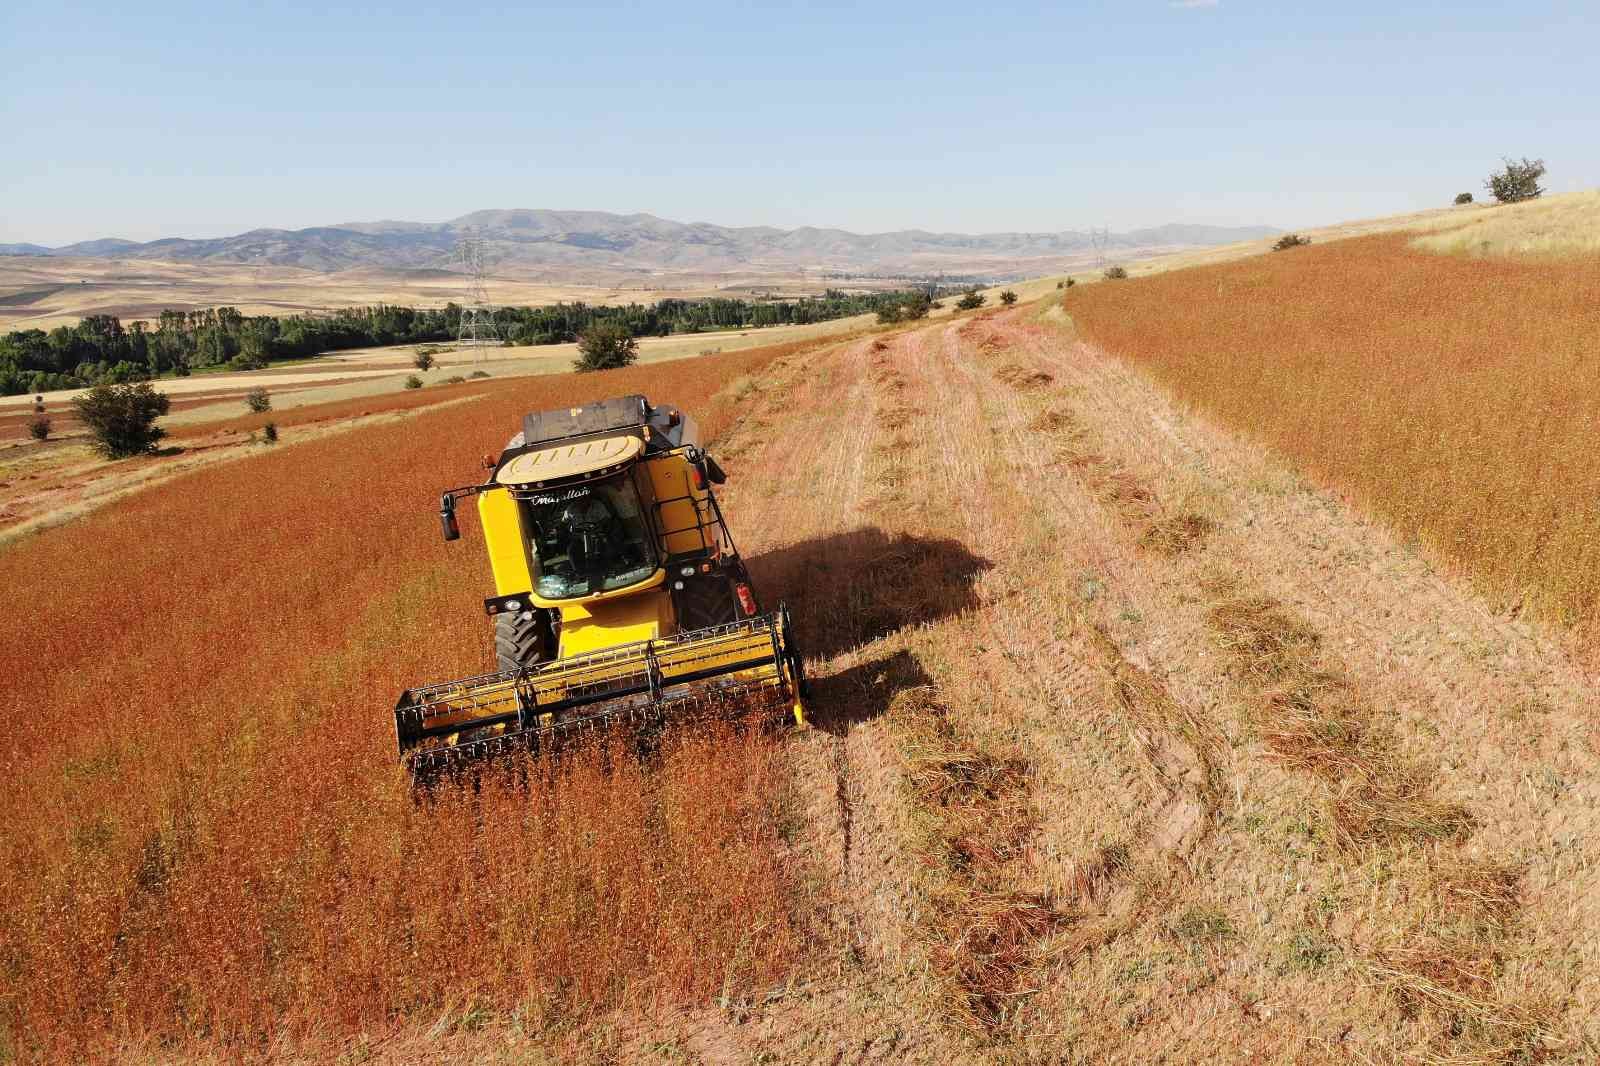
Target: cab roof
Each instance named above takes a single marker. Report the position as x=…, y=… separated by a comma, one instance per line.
x=569, y=460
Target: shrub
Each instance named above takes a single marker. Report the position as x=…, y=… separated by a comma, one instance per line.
x=1008, y=297
x=1290, y=240
x=937, y=305
x=1463, y=198
x=258, y=401
x=269, y=433
x=453, y=379
x=39, y=428
x=413, y=382
x=423, y=360
x=1060, y=284
x=888, y=315
x=247, y=362
x=1116, y=273
x=916, y=307
x=122, y=418
x=1518, y=181
x=606, y=346
x=1071, y=282
x=477, y=374
x=971, y=301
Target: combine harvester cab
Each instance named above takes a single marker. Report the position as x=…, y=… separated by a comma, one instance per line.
x=619, y=595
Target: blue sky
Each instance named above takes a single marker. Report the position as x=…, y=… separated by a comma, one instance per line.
x=177, y=119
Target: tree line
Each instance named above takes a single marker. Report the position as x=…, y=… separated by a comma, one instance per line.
x=100, y=349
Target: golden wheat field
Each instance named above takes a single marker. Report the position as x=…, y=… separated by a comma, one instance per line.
x=1132, y=740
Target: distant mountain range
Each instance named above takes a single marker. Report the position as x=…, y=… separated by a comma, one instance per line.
x=564, y=242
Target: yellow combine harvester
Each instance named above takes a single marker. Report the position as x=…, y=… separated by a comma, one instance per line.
x=619, y=595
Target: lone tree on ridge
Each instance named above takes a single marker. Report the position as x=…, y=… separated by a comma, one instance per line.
x=1518, y=181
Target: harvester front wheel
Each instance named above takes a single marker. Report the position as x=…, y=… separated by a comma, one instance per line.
x=521, y=639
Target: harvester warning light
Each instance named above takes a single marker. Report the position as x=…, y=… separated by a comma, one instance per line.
x=747, y=602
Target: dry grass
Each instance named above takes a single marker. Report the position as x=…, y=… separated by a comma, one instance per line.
x=1555, y=227
x=1264, y=643
x=1019, y=377
x=209, y=836
x=984, y=936
x=1117, y=488
x=1444, y=962
x=1177, y=534
x=1457, y=398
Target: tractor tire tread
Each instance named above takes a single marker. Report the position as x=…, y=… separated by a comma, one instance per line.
x=519, y=642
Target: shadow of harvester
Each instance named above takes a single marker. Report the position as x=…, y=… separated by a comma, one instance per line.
x=850, y=589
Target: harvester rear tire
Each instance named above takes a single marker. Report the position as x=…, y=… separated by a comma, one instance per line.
x=521, y=639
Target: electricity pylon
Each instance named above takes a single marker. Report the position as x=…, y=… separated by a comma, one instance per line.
x=477, y=330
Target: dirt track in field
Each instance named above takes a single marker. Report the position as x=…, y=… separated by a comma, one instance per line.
x=1070, y=533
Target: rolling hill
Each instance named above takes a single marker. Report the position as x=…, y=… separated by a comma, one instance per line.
x=538, y=241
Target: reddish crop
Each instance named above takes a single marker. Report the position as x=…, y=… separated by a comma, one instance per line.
x=207, y=832
x=1458, y=398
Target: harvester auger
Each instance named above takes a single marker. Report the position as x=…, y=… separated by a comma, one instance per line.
x=619, y=595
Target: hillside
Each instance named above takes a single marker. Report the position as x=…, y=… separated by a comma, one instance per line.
x=538, y=243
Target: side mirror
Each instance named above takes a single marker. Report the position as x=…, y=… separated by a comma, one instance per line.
x=447, y=518
x=714, y=472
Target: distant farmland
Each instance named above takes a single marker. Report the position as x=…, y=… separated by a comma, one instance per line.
x=1459, y=399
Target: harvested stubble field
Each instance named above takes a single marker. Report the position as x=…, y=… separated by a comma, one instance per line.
x=1131, y=746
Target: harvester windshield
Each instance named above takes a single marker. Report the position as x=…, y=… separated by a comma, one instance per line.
x=589, y=538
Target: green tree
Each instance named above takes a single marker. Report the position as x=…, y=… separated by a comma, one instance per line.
x=1116, y=273
x=39, y=427
x=971, y=301
x=1008, y=297
x=1290, y=240
x=258, y=401
x=606, y=346
x=1463, y=198
x=1518, y=181
x=424, y=360
x=413, y=382
x=122, y=418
